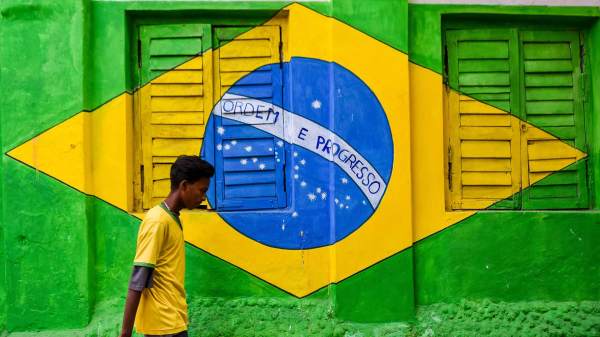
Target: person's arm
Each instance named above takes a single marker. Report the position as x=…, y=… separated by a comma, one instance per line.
x=149, y=241
x=141, y=278
x=131, y=305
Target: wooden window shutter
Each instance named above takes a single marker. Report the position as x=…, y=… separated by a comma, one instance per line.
x=484, y=156
x=174, y=102
x=553, y=101
x=253, y=161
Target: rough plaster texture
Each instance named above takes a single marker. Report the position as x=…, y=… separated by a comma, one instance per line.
x=245, y=317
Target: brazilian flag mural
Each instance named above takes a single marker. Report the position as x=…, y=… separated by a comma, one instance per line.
x=383, y=168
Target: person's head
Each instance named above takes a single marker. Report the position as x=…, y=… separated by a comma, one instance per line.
x=190, y=178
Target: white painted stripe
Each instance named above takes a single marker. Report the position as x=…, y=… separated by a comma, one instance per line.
x=561, y=3
x=303, y=132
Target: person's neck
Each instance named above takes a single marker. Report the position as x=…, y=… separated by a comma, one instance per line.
x=174, y=203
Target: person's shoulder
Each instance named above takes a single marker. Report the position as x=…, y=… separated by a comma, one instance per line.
x=155, y=213
x=155, y=217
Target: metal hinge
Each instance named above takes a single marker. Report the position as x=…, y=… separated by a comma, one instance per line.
x=280, y=54
x=583, y=80
x=142, y=177
x=284, y=179
x=280, y=48
x=446, y=71
x=450, y=168
x=139, y=53
x=581, y=53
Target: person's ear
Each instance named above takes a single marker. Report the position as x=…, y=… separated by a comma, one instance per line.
x=183, y=185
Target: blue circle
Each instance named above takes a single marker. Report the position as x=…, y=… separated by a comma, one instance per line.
x=324, y=204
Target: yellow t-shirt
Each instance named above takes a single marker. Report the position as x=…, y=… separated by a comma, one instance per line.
x=160, y=245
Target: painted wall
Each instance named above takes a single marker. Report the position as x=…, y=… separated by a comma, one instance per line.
x=69, y=224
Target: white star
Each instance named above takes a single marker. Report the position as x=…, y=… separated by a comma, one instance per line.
x=318, y=190
x=344, y=181
x=227, y=147
x=316, y=104
x=303, y=184
x=254, y=160
x=278, y=160
x=311, y=196
x=347, y=206
x=270, y=149
x=243, y=161
x=303, y=162
x=262, y=166
x=348, y=197
x=364, y=202
x=295, y=215
x=295, y=154
x=296, y=176
x=220, y=130
x=341, y=205
x=336, y=200
x=280, y=143
x=248, y=148
x=283, y=227
x=219, y=147
x=234, y=142
x=323, y=196
x=296, y=167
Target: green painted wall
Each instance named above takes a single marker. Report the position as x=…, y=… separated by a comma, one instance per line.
x=45, y=223
x=389, y=28
x=65, y=258
x=47, y=256
x=2, y=225
x=593, y=108
x=425, y=24
x=369, y=297
x=2, y=246
x=511, y=256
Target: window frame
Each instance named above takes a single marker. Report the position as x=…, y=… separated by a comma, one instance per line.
x=520, y=24
x=213, y=18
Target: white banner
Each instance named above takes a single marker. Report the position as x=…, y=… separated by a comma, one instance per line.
x=303, y=132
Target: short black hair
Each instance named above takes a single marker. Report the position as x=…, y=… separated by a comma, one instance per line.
x=190, y=168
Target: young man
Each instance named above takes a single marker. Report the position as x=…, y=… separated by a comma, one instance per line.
x=156, y=290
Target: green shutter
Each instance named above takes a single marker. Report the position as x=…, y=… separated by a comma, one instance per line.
x=553, y=101
x=173, y=103
x=484, y=142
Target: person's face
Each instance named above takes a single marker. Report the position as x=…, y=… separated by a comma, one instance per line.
x=193, y=194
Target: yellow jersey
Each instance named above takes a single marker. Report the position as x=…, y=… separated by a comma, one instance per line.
x=160, y=245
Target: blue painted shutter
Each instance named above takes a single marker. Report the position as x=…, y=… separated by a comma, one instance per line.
x=252, y=161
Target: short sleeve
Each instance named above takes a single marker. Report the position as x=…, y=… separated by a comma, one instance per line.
x=141, y=277
x=149, y=242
